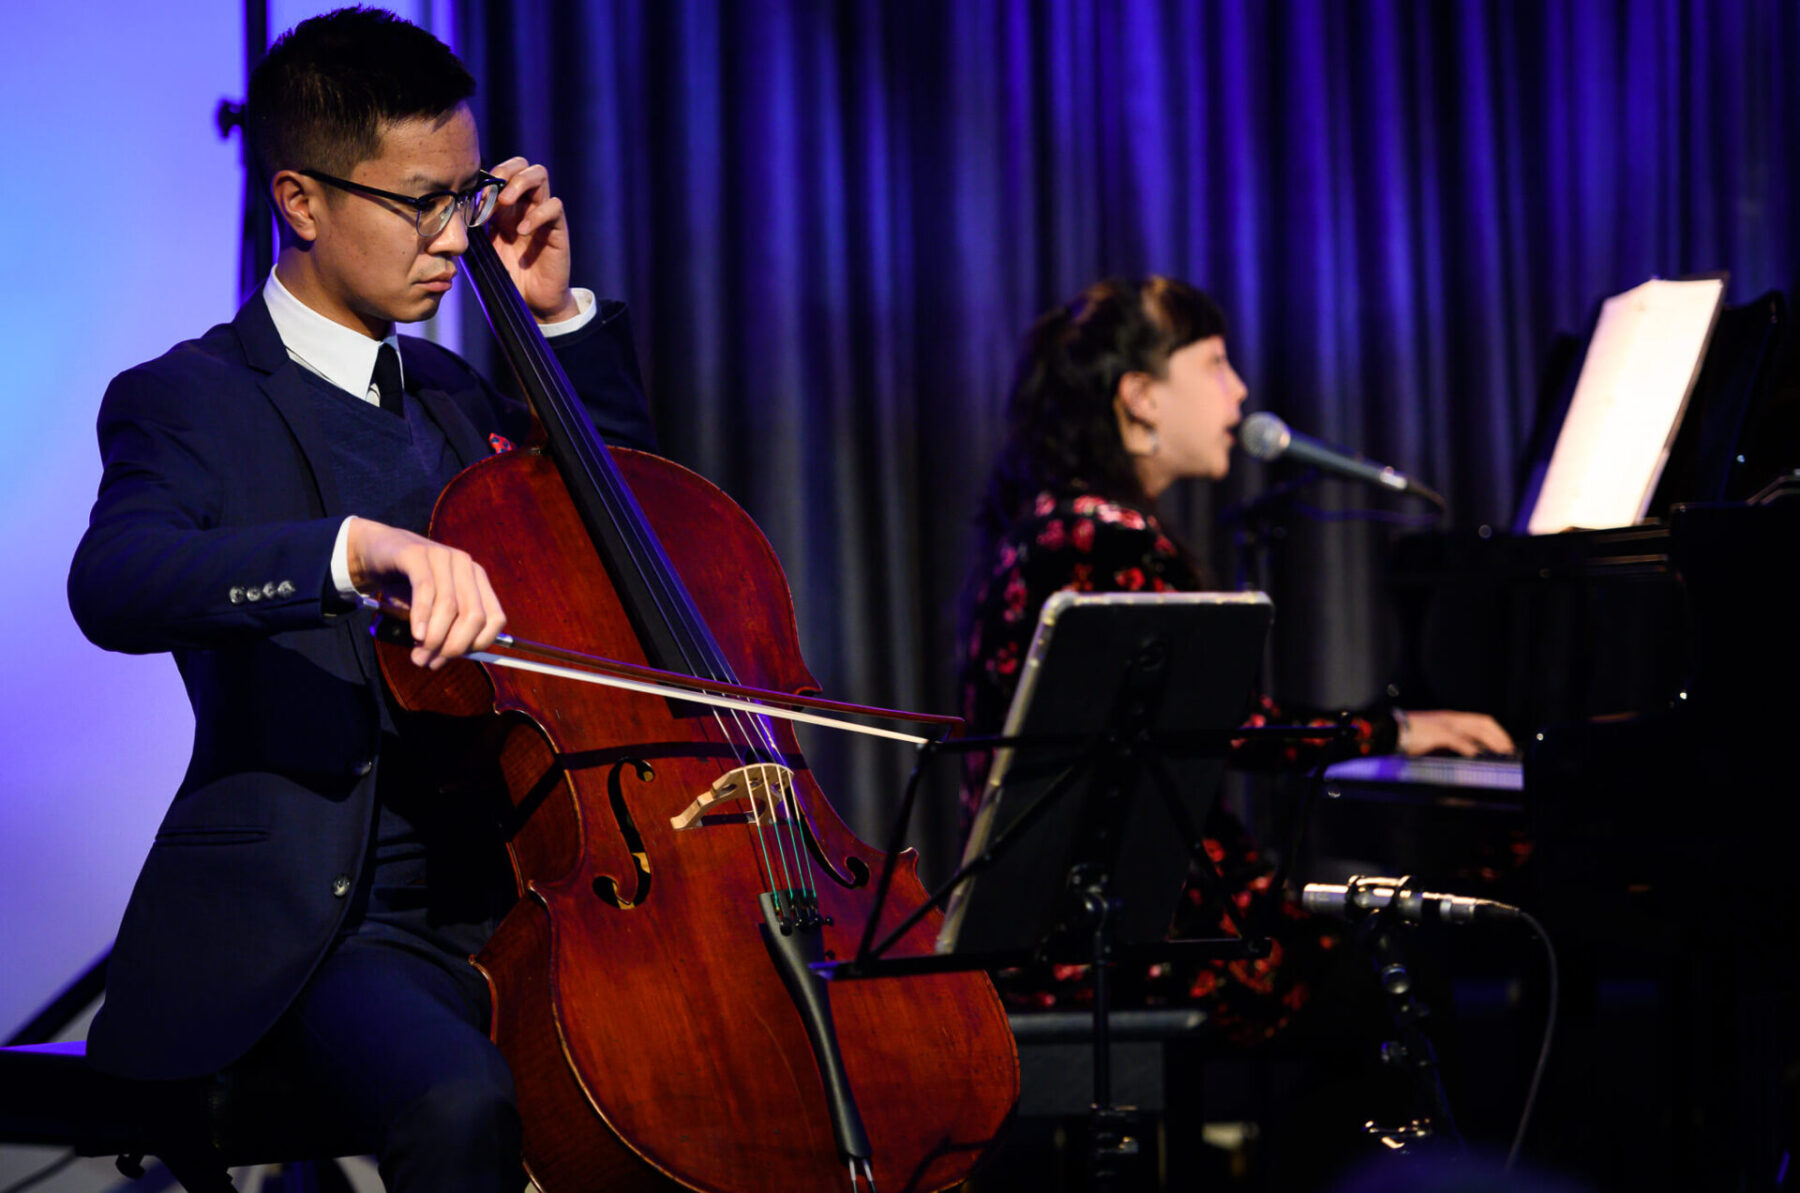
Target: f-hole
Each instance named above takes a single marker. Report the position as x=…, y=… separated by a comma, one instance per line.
x=606, y=887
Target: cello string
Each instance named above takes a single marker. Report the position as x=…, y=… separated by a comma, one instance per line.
x=791, y=796
x=617, y=504
x=778, y=795
x=510, y=309
x=670, y=600
x=600, y=476
x=633, y=533
x=762, y=842
x=785, y=895
x=678, y=613
x=649, y=561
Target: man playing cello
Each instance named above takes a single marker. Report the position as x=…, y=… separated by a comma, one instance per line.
x=309, y=896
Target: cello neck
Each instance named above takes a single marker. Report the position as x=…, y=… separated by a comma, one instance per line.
x=673, y=635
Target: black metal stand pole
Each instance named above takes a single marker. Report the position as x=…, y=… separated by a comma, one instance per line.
x=1256, y=525
x=1114, y=1153
x=1412, y=1049
x=256, y=239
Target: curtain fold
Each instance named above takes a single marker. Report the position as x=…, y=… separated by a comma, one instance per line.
x=833, y=221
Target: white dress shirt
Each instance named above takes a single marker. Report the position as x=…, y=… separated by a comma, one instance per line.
x=346, y=358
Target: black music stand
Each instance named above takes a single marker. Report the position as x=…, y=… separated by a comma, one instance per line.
x=1131, y=701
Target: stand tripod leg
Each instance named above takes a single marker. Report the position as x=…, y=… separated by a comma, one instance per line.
x=996, y=847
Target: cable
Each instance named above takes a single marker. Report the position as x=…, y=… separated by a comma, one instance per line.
x=43, y=1174
x=1543, y=1060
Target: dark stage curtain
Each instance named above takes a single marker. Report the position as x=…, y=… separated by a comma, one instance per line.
x=834, y=220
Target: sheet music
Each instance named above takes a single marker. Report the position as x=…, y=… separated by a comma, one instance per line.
x=1641, y=366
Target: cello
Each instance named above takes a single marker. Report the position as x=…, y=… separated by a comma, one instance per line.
x=678, y=868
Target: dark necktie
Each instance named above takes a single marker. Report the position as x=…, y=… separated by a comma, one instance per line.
x=387, y=379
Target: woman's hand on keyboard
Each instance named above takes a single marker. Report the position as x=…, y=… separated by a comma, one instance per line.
x=1466, y=733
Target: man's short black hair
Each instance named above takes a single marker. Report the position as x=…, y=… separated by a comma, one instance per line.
x=329, y=86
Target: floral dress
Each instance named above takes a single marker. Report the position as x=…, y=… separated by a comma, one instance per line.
x=1085, y=543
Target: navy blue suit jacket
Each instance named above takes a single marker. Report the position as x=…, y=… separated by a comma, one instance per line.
x=218, y=482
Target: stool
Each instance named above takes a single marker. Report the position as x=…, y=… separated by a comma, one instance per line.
x=199, y=1128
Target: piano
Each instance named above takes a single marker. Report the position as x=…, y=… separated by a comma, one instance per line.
x=1651, y=675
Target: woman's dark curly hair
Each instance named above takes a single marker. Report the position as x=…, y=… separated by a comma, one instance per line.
x=1062, y=433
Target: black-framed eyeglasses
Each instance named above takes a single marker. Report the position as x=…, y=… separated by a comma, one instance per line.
x=431, y=213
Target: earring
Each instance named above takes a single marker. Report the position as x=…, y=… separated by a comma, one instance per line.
x=1155, y=442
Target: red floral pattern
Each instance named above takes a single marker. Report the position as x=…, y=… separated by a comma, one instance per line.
x=1087, y=543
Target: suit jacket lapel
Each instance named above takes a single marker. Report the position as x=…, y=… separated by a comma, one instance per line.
x=281, y=381
x=284, y=385
x=290, y=392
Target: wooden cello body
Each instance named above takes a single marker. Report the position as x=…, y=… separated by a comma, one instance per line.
x=653, y=1040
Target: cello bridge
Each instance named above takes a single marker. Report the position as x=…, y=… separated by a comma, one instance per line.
x=767, y=785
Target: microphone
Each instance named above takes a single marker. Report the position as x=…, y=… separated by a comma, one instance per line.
x=1268, y=438
x=1365, y=895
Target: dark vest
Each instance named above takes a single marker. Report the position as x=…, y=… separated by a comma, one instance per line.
x=438, y=874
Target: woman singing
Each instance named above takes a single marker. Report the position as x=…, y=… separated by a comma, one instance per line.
x=1118, y=395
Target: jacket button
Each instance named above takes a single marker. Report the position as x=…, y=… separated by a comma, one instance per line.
x=237, y=594
x=362, y=768
x=253, y=594
x=285, y=588
x=340, y=886
x=269, y=589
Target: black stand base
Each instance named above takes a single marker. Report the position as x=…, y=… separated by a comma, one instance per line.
x=1117, y=1159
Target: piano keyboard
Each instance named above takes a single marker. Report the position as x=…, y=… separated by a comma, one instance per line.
x=1487, y=774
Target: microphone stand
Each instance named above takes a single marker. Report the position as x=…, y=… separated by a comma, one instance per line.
x=1256, y=525
x=1380, y=934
